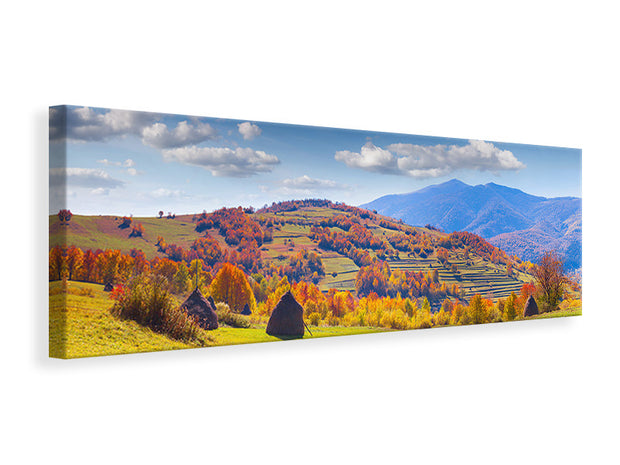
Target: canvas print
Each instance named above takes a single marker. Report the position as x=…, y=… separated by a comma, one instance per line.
x=172, y=232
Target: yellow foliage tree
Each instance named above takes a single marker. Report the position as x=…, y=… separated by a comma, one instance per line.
x=231, y=286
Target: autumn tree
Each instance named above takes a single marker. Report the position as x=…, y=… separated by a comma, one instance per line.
x=510, y=308
x=477, y=310
x=231, y=286
x=181, y=279
x=88, y=271
x=74, y=260
x=64, y=216
x=198, y=276
x=165, y=267
x=107, y=263
x=57, y=259
x=527, y=290
x=550, y=281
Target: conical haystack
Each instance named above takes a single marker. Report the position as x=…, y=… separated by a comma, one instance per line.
x=202, y=309
x=531, y=308
x=287, y=318
x=108, y=287
x=246, y=310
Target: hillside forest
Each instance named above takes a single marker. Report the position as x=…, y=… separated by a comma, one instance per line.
x=117, y=283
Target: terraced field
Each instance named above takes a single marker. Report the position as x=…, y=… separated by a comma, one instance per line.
x=477, y=277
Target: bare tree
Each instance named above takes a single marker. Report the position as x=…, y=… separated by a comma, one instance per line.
x=550, y=281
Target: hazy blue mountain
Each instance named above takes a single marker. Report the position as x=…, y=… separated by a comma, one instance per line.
x=521, y=224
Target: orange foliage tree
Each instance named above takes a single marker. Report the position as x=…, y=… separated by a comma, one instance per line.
x=230, y=285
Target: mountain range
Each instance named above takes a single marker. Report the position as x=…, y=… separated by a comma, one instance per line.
x=519, y=223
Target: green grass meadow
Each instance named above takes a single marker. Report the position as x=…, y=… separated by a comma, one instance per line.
x=84, y=327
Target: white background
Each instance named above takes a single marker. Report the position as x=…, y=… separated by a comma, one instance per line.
x=530, y=392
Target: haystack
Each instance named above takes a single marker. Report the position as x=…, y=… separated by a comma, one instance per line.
x=287, y=318
x=108, y=287
x=246, y=310
x=202, y=309
x=531, y=308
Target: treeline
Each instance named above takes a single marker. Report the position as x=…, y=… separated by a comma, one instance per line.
x=351, y=243
x=294, y=205
x=412, y=243
x=340, y=308
x=112, y=266
x=234, y=224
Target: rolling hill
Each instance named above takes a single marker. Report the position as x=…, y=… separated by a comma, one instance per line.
x=519, y=223
x=294, y=230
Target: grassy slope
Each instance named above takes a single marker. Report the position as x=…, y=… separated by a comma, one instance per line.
x=558, y=314
x=102, y=232
x=90, y=330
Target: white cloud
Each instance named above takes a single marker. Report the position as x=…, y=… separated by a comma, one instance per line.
x=160, y=137
x=370, y=158
x=127, y=163
x=83, y=177
x=100, y=191
x=163, y=193
x=224, y=161
x=248, y=130
x=421, y=161
x=303, y=186
x=306, y=182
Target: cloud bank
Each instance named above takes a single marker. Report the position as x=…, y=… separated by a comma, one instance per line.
x=224, y=161
x=87, y=125
x=421, y=161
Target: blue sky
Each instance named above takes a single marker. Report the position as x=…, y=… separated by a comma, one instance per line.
x=122, y=162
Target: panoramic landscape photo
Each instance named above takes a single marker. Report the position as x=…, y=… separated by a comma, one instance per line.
x=170, y=232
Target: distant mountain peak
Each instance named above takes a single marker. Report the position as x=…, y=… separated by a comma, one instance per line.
x=451, y=185
x=492, y=210
x=455, y=181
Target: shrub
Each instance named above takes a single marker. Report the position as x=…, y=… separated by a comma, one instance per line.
x=137, y=230
x=146, y=301
x=314, y=318
x=125, y=223
x=226, y=316
x=85, y=292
